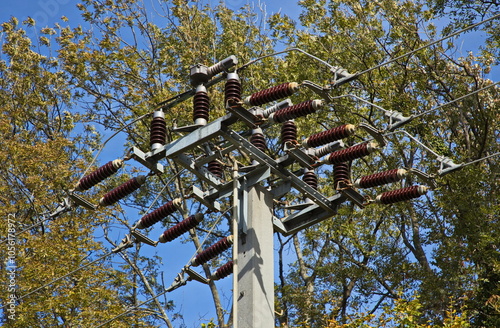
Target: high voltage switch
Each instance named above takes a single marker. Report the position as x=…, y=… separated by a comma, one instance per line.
x=208, y=147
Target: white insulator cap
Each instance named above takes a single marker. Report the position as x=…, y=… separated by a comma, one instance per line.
x=294, y=86
x=350, y=128
x=372, y=146
x=177, y=202
x=318, y=104
x=233, y=76
x=158, y=113
x=246, y=101
x=117, y=163
x=257, y=130
x=201, y=88
x=422, y=190
x=400, y=173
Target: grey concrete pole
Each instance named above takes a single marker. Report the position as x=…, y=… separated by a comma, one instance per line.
x=255, y=270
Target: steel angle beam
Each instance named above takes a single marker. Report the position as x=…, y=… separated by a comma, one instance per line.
x=277, y=169
x=195, y=138
x=201, y=172
x=217, y=154
x=146, y=159
x=307, y=217
x=199, y=195
x=251, y=178
x=142, y=238
x=301, y=157
x=246, y=117
x=80, y=201
x=164, y=105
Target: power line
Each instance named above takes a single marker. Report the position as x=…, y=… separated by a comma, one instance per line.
x=179, y=280
x=429, y=44
x=111, y=137
x=379, y=65
x=457, y=99
x=61, y=277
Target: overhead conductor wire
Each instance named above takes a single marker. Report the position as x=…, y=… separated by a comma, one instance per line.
x=61, y=277
x=243, y=67
x=322, y=61
x=172, y=287
x=429, y=44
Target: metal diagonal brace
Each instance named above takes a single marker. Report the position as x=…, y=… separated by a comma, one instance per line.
x=307, y=217
x=277, y=169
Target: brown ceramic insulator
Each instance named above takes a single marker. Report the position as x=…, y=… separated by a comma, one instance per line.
x=272, y=94
x=401, y=195
x=379, y=179
x=215, y=168
x=295, y=111
x=341, y=172
x=232, y=89
x=201, y=104
x=122, y=191
x=311, y=179
x=259, y=141
x=98, y=175
x=213, y=251
x=223, y=271
x=352, y=153
x=161, y=212
x=288, y=132
x=331, y=135
x=181, y=228
x=158, y=131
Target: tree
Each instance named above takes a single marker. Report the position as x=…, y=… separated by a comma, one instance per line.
x=360, y=260
x=40, y=156
x=360, y=267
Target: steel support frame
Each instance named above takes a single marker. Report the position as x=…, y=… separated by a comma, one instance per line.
x=254, y=210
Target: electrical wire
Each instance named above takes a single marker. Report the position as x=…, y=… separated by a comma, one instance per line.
x=111, y=137
x=412, y=117
x=362, y=100
x=61, y=277
x=169, y=289
x=253, y=61
x=208, y=234
x=28, y=228
x=428, y=45
x=481, y=159
x=172, y=287
x=455, y=100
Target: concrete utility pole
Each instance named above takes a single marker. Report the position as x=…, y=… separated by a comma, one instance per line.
x=255, y=275
x=205, y=150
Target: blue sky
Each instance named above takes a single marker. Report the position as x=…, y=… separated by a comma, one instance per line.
x=46, y=12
